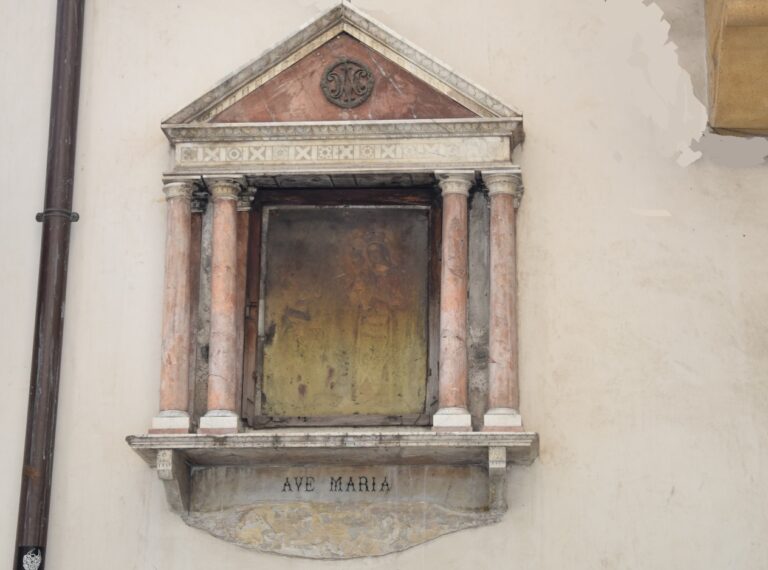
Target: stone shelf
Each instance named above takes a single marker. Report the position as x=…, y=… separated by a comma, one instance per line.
x=289, y=490
x=289, y=446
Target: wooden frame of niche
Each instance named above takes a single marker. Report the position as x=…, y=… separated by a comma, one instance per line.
x=250, y=252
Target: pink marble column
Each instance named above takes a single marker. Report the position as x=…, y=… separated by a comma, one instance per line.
x=453, y=414
x=243, y=222
x=174, y=368
x=505, y=191
x=223, y=414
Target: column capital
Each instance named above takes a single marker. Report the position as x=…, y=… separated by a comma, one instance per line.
x=245, y=199
x=455, y=181
x=224, y=188
x=199, y=201
x=178, y=189
x=501, y=182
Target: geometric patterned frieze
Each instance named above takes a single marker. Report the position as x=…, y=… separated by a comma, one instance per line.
x=344, y=154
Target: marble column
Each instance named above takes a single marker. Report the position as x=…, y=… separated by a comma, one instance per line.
x=223, y=414
x=453, y=414
x=174, y=368
x=243, y=222
x=505, y=191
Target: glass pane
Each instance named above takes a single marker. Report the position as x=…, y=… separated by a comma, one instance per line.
x=345, y=311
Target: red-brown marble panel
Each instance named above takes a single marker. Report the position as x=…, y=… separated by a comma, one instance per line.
x=295, y=94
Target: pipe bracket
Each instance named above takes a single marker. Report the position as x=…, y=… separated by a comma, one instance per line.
x=55, y=212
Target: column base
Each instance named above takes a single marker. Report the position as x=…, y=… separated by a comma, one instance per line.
x=219, y=422
x=452, y=419
x=170, y=422
x=502, y=419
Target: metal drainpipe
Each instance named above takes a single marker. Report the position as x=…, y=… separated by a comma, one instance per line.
x=34, y=503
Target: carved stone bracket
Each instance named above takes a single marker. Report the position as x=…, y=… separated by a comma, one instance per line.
x=497, y=479
x=173, y=471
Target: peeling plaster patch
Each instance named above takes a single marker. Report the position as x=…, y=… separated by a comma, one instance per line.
x=688, y=156
x=733, y=151
x=655, y=85
x=685, y=21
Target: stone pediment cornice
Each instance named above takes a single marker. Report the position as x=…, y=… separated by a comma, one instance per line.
x=234, y=132
x=343, y=18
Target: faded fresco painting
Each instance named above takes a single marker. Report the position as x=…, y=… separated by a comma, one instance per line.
x=345, y=311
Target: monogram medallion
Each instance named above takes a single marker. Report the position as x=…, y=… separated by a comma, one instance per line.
x=347, y=83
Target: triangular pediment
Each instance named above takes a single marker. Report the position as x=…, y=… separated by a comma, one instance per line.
x=383, y=90
x=305, y=78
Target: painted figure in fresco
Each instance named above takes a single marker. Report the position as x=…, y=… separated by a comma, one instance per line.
x=345, y=327
x=379, y=302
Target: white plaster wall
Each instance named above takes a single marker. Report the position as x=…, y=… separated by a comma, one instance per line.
x=26, y=59
x=643, y=274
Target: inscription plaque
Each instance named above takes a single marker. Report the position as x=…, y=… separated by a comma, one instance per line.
x=337, y=484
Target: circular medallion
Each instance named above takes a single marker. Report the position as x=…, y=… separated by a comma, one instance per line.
x=347, y=83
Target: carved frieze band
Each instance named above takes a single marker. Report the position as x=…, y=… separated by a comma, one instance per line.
x=441, y=151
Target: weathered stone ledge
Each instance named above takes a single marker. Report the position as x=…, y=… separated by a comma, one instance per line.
x=322, y=130
x=288, y=446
